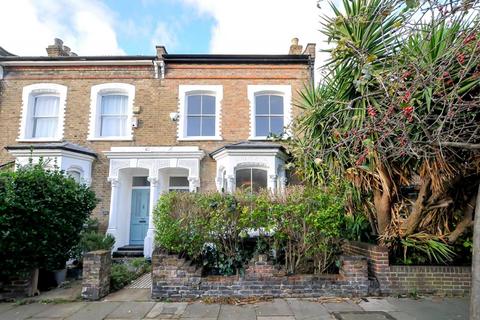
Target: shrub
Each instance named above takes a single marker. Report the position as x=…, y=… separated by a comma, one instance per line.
x=123, y=273
x=303, y=226
x=42, y=213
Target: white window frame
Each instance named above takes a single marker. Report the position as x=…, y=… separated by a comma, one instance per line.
x=28, y=103
x=96, y=94
x=283, y=90
x=183, y=92
x=250, y=167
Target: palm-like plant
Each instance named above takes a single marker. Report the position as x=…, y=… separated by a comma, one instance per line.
x=396, y=108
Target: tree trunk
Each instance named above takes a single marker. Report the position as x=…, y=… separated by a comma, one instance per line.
x=475, y=289
x=415, y=216
x=382, y=200
x=466, y=221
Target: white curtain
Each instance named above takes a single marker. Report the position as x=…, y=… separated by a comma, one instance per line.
x=45, y=117
x=113, y=116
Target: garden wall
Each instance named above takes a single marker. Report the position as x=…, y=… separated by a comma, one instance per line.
x=174, y=278
x=392, y=279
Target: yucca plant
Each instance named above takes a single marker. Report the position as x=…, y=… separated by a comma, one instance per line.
x=396, y=112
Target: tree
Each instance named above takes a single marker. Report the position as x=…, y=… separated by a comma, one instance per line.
x=397, y=114
x=41, y=215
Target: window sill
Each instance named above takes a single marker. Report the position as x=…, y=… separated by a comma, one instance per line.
x=200, y=139
x=110, y=139
x=39, y=140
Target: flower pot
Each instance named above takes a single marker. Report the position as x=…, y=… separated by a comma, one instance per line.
x=60, y=276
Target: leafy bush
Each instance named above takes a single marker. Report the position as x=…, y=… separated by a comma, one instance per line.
x=303, y=226
x=42, y=213
x=123, y=273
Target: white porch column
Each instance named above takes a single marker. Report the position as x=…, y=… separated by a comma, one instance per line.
x=272, y=182
x=149, y=239
x=112, y=217
x=230, y=183
x=283, y=184
x=193, y=183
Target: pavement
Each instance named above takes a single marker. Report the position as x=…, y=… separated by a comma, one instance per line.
x=131, y=305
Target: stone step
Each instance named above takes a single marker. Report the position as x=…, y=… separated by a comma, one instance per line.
x=127, y=254
x=130, y=248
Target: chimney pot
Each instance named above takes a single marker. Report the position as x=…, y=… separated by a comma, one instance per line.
x=294, y=47
x=57, y=49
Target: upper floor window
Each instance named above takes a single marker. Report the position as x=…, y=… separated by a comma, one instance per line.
x=111, y=111
x=270, y=110
x=200, y=112
x=269, y=114
x=114, y=115
x=43, y=112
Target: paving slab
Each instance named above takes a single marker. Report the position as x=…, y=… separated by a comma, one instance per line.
x=60, y=310
x=363, y=315
x=4, y=306
x=228, y=312
x=130, y=295
x=276, y=318
x=200, y=310
x=399, y=315
x=131, y=310
x=277, y=307
x=372, y=304
x=342, y=306
x=23, y=312
x=305, y=309
x=94, y=311
x=167, y=310
x=433, y=308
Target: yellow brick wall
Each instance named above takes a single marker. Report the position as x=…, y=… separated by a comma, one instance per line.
x=157, y=98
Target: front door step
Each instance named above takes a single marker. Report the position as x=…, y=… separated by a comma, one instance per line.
x=129, y=251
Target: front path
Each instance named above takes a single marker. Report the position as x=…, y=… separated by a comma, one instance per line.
x=278, y=309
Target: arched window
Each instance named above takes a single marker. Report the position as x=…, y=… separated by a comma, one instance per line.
x=75, y=174
x=269, y=114
x=251, y=178
x=111, y=111
x=42, y=112
x=113, y=115
x=199, y=112
x=200, y=115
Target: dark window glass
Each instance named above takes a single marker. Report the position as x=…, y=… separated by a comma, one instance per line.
x=140, y=182
x=200, y=115
x=268, y=115
x=253, y=179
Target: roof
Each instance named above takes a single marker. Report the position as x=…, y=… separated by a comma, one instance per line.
x=249, y=145
x=170, y=58
x=75, y=58
x=4, y=52
x=67, y=146
x=237, y=58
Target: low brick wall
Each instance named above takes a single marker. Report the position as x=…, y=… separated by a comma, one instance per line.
x=391, y=279
x=19, y=287
x=174, y=278
x=96, y=274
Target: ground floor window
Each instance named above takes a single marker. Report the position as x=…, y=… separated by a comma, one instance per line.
x=250, y=178
x=178, y=184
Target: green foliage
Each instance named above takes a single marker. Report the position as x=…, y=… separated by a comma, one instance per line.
x=42, y=213
x=302, y=225
x=92, y=241
x=121, y=274
x=425, y=248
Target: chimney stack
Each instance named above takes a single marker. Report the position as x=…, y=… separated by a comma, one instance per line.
x=57, y=49
x=294, y=47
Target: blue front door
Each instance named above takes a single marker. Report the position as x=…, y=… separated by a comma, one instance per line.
x=139, y=217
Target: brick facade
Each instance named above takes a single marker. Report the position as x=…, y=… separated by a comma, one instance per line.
x=392, y=279
x=174, y=278
x=155, y=98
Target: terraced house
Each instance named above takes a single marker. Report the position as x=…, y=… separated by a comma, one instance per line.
x=134, y=127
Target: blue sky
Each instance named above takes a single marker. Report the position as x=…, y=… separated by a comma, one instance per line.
x=118, y=27
x=192, y=30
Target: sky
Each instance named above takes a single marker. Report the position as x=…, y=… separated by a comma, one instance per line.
x=113, y=27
